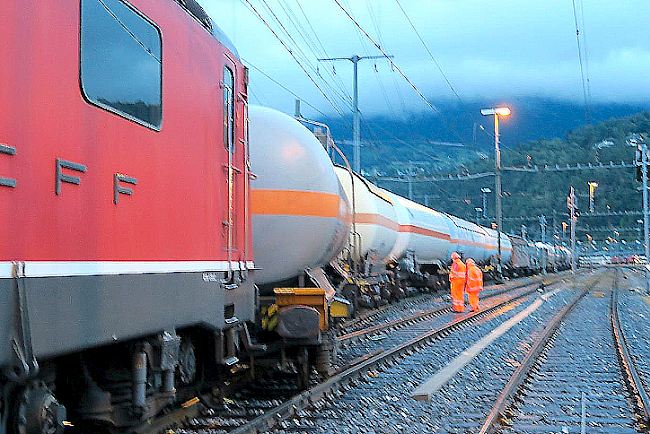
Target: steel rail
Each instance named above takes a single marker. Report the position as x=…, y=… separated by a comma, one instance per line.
x=331, y=386
x=429, y=313
x=191, y=409
x=531, y=357
x=633, y=380
x=370, y=313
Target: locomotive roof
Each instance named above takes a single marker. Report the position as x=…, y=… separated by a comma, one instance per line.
x=196, y=10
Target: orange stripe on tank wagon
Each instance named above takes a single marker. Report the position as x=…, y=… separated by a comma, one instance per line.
x=422, y=231
x=376, y=219
x=296, y=203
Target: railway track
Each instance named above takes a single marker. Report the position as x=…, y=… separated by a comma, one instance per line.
x=265, y=404
x=402, y=343
x=570, y=378
x=409, y=306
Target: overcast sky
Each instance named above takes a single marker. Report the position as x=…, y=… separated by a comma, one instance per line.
x=494, y=49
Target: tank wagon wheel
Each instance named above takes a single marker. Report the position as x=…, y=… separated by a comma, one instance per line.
x=304, y=368
x=37, y=411
x=351, y=294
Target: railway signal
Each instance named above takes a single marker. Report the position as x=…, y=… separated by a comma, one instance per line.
x=571, y=203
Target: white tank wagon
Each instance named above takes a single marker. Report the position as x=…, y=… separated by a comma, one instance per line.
x=375, y=219
x=301, y=217
x=477, y=242
x=564, y=258
x=426, y=234
x=506, y=245
x=524, y=260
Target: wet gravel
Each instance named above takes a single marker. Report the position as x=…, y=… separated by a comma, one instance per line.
x=421, y=302
x=634, y=312
x=381, y=403
x=581, y=359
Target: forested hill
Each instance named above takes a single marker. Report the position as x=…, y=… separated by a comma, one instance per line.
x=403, y=136
x=530, y=194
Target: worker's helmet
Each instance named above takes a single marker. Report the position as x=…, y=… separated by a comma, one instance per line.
x=455, y=256
x=470, y=261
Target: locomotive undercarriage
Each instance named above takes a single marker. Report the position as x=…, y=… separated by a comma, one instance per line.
x=121, y=386
x=94, y=376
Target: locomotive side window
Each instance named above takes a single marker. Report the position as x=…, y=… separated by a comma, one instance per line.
x=121, y=61
x=228, y=109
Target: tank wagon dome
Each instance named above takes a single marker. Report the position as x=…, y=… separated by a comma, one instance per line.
x=301, y=216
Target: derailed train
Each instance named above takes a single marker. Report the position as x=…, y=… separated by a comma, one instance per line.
x=127, y=218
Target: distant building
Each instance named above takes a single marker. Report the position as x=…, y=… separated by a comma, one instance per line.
x=633, y=139
x=604, y=144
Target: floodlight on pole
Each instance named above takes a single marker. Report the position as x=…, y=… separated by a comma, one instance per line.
x=592, y=187
x=496, y=112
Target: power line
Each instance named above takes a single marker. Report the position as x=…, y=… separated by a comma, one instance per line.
x=582, y=74
x=298, y=49
x=386, y=56
x=281, y=85
x=428, y=51
x=394, y=65
x=338, y=88
x=530, y=169
x=584, y=43
x=292, y=55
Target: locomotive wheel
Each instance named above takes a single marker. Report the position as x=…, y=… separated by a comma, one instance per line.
x=37, y=411
x=187, y=366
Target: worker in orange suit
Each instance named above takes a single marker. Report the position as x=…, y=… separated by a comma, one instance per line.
x=457, y=278
x=474, y=283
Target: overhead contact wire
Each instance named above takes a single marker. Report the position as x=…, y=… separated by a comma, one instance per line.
x=292, y=55
x=428, y=51
x=370, y=38
x=582, y=74
x=281, y=85
x=298, y=50
x=584, y=43
x=386, y=56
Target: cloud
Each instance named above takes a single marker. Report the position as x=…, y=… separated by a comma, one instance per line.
x=486, y=49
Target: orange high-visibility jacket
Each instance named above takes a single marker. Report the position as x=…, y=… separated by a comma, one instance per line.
x=474, y=279
x=457, y=273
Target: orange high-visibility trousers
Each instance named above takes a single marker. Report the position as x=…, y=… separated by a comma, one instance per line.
x=457, y=278
x=474, y=285
x=473, y=300
x=457, y=295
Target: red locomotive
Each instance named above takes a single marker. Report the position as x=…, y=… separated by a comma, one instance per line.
x=124, y=181
x=127, y=280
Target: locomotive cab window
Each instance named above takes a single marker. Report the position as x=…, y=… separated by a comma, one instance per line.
x=121, y=61
x=228, y=109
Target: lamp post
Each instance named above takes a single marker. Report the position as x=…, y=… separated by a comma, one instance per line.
x=496, y=112
x=485, y=191
x=478, y=210
x=592, y=187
